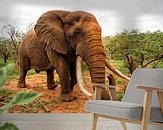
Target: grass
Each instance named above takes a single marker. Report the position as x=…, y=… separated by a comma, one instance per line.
x=6, y=95
x=38, y=88
x=120, y=95
x=32, y=107
x=21, y=102
x=37, y=106
x=53, y=103
x=15, y=73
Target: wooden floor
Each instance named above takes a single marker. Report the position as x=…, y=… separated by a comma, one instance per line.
x=60, y=121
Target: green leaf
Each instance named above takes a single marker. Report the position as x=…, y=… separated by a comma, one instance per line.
x=4, y=71
x=3, y=75
x=20, y=98
x=24, y=98
x=8, y=126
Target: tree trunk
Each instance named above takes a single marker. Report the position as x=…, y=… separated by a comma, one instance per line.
x=5, y=59
x=131, y=64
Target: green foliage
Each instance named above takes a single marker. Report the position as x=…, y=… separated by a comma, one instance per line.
x=8, y=126
x=14, y=74
x=4, y=72
x=121, y=95
x=144, y=48
x=120, y=65
x=20, y=99
x=31, y=72
x=84, y=67
x=5, y=49
x=6, y=95
x=3, y=75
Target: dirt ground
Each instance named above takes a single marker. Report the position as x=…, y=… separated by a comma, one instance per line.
x=50, y=99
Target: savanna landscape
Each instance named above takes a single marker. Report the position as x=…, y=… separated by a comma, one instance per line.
x=126, y=51
x=56, y=56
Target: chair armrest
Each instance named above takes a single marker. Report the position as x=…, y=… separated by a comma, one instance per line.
x=103, y=85
x=147, y=88
x=148, y=101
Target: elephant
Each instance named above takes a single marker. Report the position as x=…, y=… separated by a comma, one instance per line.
x=59, y=40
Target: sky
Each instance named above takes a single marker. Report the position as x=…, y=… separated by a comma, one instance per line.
x=113, y=15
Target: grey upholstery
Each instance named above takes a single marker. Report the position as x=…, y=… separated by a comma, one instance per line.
x=143, y=77
x=131, y=106
x=132, y=111
x=116, y=109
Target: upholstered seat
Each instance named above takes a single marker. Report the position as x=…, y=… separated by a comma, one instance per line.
x=131, y=111
x=137, y=106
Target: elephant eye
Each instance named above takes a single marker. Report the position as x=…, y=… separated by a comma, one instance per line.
x=77, y=32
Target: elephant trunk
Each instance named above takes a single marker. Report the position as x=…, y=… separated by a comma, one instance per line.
x=95, y=60
x=94, y=57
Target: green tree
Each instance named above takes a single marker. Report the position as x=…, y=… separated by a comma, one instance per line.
x=5, y=49
x=14, y=35
x=136, y=49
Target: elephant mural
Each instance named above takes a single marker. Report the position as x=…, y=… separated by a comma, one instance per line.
x=58, y=40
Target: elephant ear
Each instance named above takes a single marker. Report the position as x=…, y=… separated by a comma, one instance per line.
x=50, y=29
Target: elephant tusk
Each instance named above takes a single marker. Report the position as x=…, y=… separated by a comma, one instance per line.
x=79, y=76
x=117, y=72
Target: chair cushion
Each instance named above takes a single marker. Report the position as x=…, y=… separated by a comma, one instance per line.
x=131, y=111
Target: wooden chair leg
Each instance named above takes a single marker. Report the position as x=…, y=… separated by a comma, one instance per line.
x=112, y=91
x=146, y=110
x=160, y=98
x=112, y=94
x=94, y=121
x=124, y=125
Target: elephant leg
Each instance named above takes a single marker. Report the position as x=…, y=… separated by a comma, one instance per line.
x=63, y=71
x=62, y=66
x=24, y=67
x=73, y=80
x=64, y=77
x=50, y=79
x=21, y=82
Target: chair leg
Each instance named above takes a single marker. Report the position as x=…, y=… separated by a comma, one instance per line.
x=124, y=125
x=146, y=109
x=160, y=98
x=94, y=121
